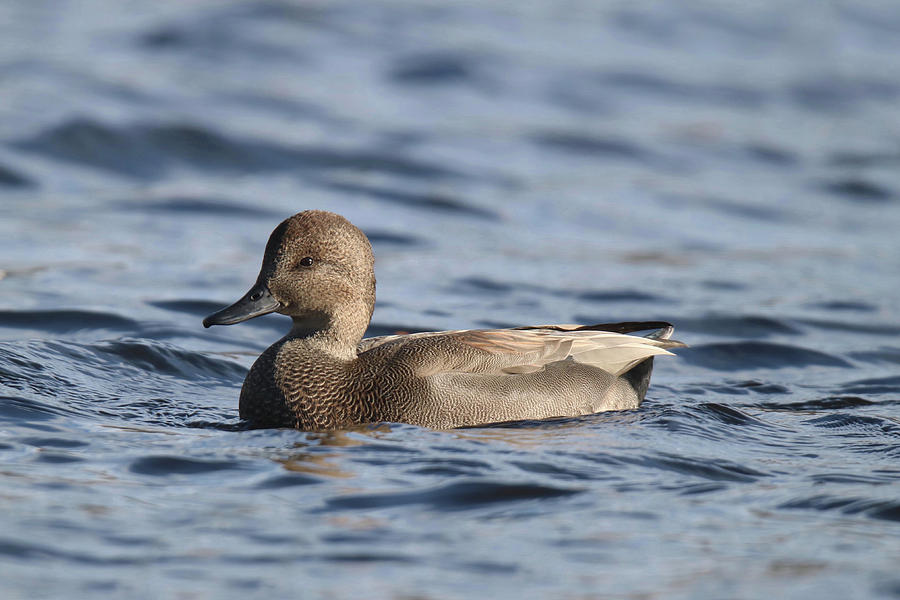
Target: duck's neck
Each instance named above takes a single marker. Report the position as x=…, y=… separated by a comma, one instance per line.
x=336, y=335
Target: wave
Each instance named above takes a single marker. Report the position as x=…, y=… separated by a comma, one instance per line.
x=887, y=510
x=739, y=356
x=463, y=495
x=64, y=321
x=136, y=381
x=148, y=151
x=13, y=179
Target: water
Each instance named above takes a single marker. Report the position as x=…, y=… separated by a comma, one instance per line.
x=731, y=169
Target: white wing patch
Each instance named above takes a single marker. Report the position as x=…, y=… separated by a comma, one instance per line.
x=530, y=350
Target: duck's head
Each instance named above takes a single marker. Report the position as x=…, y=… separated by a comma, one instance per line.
x=318, y=269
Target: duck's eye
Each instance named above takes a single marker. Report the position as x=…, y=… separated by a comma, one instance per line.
x=306, y=261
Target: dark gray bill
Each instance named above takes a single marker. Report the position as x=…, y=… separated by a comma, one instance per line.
x=258, y=301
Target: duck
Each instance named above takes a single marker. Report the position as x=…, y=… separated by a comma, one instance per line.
x=318, y=269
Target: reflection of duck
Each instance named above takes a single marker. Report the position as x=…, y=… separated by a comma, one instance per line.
x=310, y=456
x=318, y=269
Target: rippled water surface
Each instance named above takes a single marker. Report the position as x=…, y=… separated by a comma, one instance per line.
x=733, y=169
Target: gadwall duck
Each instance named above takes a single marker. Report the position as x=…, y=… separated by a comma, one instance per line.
x=318, y=269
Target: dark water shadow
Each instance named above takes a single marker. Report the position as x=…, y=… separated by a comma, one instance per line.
x=885, y=510
x=458, y=496
x=740, y=326
x=736, y=356
x=860, y=190
x=819, y=404
x=599, y=147
x=66, y=321
x=14, y=179
x=430, y=202
x=438, y=68
x=148, y=151
x=167, y=465
x=841, y=94
x=644, y=84
x=186, y=205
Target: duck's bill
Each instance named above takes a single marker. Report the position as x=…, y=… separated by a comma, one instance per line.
x=258, y=301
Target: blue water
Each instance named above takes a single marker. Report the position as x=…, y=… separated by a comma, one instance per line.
x=732, y=169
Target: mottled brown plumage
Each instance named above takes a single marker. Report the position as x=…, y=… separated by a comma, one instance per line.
x=318, y=269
